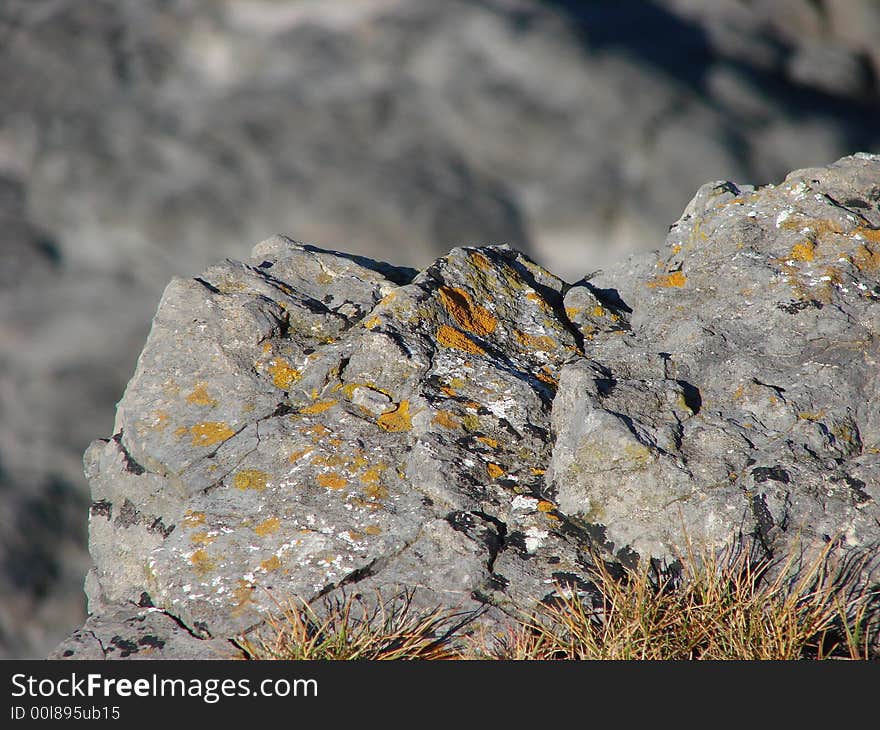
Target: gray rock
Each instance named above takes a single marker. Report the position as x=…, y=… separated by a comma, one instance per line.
x=141, y=139
x=314, y=424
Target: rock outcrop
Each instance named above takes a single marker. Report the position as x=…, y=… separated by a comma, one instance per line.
x=310, y=423
x=141, y=139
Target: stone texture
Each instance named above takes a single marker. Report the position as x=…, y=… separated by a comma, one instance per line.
x=141, y=139
x=314, y=423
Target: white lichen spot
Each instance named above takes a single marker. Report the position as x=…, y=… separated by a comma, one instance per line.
x=527, y=504
x=535, y=538
x=783, y=216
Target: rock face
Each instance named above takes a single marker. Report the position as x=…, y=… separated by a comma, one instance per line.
x=309, y=422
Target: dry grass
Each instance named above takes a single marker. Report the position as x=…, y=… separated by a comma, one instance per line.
x=353, y=630
x=718, y=608
x=715, y=607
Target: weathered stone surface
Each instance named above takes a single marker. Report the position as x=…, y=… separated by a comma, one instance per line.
x=309, y=422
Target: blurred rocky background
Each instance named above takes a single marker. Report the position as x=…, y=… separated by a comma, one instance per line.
x=143, y=139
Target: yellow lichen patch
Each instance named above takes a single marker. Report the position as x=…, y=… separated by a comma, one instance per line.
x=251, y=479
x=598, y=311
x=803, y=251
x=676, y=279
x=446, y=390
x=676, y=249
x=536, y=342
x=533, y=296
x=816, y=228
x=397, y=420
x=202, y=562
x=283, y=375
x=373, y=474
x=490, y=442
x=242, y=596
x=539, y=472
x=209, y=433
x=332, y=480
x=375, y=492
x=324, y=278
x=268, y=526
x=201, y=538
x=545, y=506
x=319, y=407
x=872, y=235
x=471, y=422
x=471, y=317
x=180, y=432
x=866, y=259
x=811, y=415
x=366, y=504
x=193, y=519
x=297, y=455
x=545, y=376
x=270, y=564
x=160, y=420
x=494, y=470
x=373, y=530
x=480, y=261
x=446, y=419
x=200, y=397
x=572, y=312
x=372, y=322
x=316, y=432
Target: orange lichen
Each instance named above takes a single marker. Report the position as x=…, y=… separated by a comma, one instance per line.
x=373, y=530
x=803, y=251
x=318, y=407
x=270, y=564
x=480, y=261
x=160, y=420
x=373, y=474
x=490, y=442
x=201, y=562
x=471, y=317
x=193, y=519
x=545, y=506
x=268, y=526
x=317, y=432
x=397, y=420
x=297, y=455
x=676, y=279
x=283, y=375
x=446, y=390
x=372, y=322
x=446, y=419
x=494, y=470
x=572, y=312
x=242, y=595
x=866, y=259
x=545, y=376
x=332, y=480
x=375, y=492
x=251, y=479
x=200, y=397
x=209, y=433
x=533, y=296
x=536, y=342
x=201, y=538
x=872, y=235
